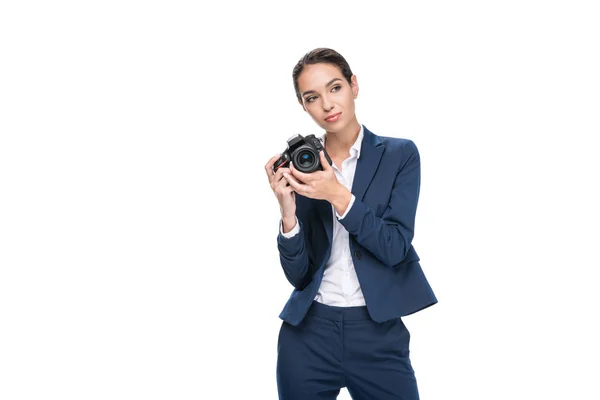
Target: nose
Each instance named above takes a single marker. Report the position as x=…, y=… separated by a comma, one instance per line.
x=327, y=106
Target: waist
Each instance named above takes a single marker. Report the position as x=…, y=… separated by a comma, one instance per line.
x=336, y=313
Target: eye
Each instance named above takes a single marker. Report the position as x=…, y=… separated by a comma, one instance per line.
x=311, y=98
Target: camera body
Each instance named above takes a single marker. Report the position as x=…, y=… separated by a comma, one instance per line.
x=303, y=152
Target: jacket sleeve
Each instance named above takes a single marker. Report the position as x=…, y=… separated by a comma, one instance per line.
x=389, y=238
x=294, y=258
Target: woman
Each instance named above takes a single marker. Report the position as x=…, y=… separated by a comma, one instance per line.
x=345, y=245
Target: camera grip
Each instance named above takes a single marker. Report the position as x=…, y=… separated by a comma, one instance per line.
x=283, y=161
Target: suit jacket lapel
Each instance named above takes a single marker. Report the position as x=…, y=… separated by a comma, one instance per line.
x=370, y=155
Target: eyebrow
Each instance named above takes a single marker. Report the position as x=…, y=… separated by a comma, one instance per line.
x=328, y=83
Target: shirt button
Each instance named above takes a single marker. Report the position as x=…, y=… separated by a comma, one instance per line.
x=357, y=255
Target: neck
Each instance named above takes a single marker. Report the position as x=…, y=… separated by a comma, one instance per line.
x=339, y=143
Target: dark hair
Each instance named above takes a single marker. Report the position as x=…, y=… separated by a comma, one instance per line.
x=321, y=55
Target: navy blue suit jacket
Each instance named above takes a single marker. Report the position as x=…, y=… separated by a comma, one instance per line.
x=381, y=228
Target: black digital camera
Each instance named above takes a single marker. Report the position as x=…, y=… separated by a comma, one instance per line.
x=303, y=152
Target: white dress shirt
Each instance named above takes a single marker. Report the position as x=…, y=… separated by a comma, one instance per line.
x=340, y=286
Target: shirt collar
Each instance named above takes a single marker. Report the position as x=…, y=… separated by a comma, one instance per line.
x=355, y=149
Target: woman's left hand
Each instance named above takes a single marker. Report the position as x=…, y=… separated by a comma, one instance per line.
x=321, y=185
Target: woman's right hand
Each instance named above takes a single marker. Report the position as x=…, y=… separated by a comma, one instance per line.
x=283, y=191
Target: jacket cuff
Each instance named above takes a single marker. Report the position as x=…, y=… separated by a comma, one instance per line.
x=354, y=216
x=340, y=217
x=291, y=233
x=293, y=245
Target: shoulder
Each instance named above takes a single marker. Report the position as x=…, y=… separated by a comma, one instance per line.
x=398, y=146
x=389, y=142
x=396, y=143
x=395, y=152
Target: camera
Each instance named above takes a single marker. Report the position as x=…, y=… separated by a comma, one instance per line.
x=303, y=152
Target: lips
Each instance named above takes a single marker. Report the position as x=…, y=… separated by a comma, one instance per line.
x=333, y=117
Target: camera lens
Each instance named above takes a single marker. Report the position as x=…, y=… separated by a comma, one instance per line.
x=305, y=160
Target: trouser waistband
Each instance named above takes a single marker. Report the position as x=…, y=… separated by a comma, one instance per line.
x=338, y=313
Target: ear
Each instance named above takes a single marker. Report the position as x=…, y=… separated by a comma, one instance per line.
x=354, y=85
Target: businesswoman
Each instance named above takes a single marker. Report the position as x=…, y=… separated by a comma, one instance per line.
x=345, y=246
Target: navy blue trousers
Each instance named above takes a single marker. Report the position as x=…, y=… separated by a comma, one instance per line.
x=335, y=347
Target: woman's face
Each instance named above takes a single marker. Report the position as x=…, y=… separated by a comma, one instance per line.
x=324, y=92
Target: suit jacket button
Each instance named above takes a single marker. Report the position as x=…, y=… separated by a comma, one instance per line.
x=357, y=255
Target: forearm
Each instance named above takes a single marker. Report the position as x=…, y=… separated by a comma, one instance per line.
x=388, y=241
x=288, y=223
x=389, y=236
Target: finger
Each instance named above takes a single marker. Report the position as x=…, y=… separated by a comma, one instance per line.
x=300, y=175
x=324, y=161
x=269, y=165
x=283, y=184
x=278, y=176
x=298, y=187
x=272, y=161
x=285, y=192
x=279, y=173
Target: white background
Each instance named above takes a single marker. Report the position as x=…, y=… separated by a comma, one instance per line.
x=137, y=229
